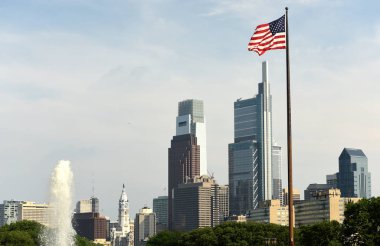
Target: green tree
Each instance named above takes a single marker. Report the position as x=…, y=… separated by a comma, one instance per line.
x=25, y=231
x=28, y=233
x=227, y=234
x=82, y=241
x=166, y=238
x=361, y=225
x=200, y=237
x=323, y=233
x=16, y=238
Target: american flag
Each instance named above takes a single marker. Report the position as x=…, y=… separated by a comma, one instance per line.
x=269, y=36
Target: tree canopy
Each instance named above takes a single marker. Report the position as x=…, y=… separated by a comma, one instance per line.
x=28, y=233
x=361, y=225
x=227, y=234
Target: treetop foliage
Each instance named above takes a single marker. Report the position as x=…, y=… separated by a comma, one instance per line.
x=360, y=227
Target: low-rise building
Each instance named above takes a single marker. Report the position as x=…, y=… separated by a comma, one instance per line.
x=270, y=211
x=237, y=218
x=313, y=190
x=327, y=206
x=35, y=212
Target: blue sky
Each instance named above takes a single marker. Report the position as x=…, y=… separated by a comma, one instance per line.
x=97, y=82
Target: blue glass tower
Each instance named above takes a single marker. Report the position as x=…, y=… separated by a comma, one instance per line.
x=250, y=156
x=354, y=180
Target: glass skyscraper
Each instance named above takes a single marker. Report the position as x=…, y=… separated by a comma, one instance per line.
x=191, y=120
x=354, y=180
x=276, y=172
x=250, y=156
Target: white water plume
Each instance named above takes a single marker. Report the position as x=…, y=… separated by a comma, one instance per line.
x=61, y=232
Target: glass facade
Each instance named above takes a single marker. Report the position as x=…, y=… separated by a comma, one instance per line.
x=160, y=207
x=276, y=172
x=245, y=119
x=191, y=120
x=244, y=177
x=192, y=107
x=250, y=156
x=354, y=180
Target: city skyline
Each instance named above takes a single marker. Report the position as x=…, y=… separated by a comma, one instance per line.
x=80, y=81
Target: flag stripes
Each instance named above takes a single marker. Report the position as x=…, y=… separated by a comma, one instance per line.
x=269, y=36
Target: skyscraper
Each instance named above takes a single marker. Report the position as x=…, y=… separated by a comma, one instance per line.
x=145, y=226
x=196, y=204
x=9, y=212
x=183, y=164
x=191, y=120
x=250, y=156
x=88, y=206
x=90, y=225
x=354, y=180
x=276, y=172
x=332, y=179
x=185, y=150
x=224, y=202
x=160, y=208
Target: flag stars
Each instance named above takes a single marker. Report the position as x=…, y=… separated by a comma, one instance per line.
x=277, y=25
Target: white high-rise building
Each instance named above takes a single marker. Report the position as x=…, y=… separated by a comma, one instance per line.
x=9, y=212
x=145, y=226
x=191, y=120
x=276, y=172
x=88, y=206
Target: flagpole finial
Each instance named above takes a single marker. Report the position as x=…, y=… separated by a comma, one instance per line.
x=286, y=8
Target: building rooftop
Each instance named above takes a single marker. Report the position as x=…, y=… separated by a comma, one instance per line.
x=319, y=186
x=353, y=152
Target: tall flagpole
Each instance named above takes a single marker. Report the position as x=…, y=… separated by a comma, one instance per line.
x=289, y=126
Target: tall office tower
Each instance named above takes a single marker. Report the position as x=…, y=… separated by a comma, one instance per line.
x=276, y=173
x=314, y=190
x=160, y=208
x=296, y=196
x=145, y=226
x=250, y=156
x=183, y=163
x=94, y=204
x=195, y=204
x=191, y=120
x=88, y=206
x=332, y=179
x=9, y=212
x=224, y=202
x=354, y=180
x=91, y=226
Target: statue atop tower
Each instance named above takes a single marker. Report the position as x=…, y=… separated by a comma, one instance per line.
x=123, y=235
